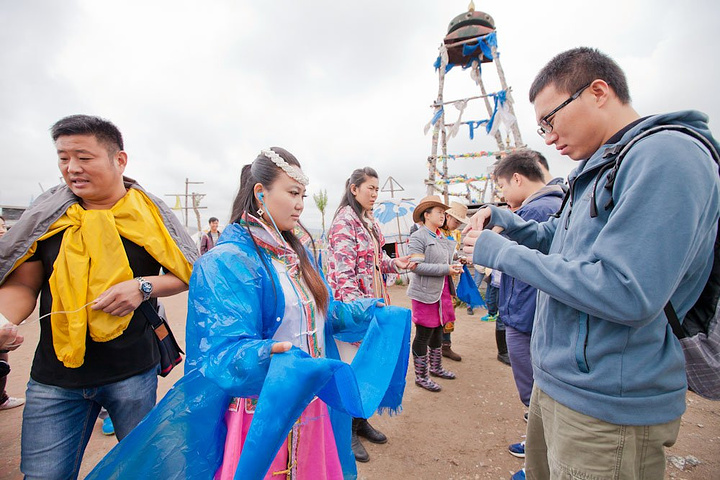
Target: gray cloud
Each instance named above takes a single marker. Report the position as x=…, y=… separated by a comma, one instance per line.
x=199, y=89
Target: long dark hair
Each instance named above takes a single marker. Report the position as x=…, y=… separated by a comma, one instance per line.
x=262, y=170
x=357, y=178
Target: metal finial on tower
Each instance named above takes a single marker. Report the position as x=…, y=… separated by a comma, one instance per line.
x=471, y=7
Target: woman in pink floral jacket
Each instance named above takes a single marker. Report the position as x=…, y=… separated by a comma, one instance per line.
x=355, y=267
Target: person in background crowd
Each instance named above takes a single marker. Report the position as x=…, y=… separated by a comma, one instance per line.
x=455, y=217
x=431, y=289
x=210, y=239
x=521, y=180
x=547, y=176
x=356, y=266
x=6, y=402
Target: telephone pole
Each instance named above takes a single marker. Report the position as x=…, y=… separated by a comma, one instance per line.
x=194, y=203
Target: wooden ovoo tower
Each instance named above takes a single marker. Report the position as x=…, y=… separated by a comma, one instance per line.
x=470, y=42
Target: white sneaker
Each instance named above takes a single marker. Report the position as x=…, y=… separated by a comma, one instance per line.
x=12, y=402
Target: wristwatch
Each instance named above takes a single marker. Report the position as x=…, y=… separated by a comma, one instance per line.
x=146, y=287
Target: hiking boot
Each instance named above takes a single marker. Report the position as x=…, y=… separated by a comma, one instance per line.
x=364, y=429
x=517, y=449
x=448, y=353
x=519, y=475
x=470, y=311
x=12, y=402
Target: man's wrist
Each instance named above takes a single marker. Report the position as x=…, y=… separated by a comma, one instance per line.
x=145, y=287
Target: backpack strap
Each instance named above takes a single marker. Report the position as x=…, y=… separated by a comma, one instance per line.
x=622, y=149
x=674, y=321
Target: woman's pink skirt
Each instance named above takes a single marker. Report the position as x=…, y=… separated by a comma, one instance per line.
x=433, y=315
x=308, y=453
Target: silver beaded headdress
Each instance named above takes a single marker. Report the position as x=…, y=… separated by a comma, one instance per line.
x=292, y=172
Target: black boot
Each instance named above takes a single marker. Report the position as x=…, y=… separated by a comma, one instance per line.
x=364, y=429
x=361, y=455
x=502, y=347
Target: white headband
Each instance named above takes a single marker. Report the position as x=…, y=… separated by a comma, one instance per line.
x=292, y=172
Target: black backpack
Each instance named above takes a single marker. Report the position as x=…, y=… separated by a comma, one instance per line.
x=699, y=333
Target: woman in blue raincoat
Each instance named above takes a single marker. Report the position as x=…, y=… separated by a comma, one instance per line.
x=264, y=394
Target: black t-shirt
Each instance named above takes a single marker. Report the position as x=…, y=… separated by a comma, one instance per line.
x=619, y=134
x=133, y=352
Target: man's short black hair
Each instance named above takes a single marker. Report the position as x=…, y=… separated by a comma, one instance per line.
x=213, y=219
x=573, y=69
x=103, y=130
x=524, y=162
x=542, y=160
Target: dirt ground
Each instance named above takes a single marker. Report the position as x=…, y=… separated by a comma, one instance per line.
x=460, y=433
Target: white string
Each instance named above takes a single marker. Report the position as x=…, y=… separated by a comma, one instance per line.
x=308, y=333
x=24, y=324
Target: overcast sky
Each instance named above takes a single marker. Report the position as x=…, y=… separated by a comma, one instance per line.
x=199, y=88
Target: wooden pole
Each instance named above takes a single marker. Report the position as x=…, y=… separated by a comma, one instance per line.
x=445, y=173
x=432, y=160
x=501, y=74
x=498, y=137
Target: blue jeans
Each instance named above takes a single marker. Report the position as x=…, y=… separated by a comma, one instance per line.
x=491, y=299
x=58, y=422
x=518, y=345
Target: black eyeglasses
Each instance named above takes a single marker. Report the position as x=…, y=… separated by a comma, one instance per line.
x=545, y=127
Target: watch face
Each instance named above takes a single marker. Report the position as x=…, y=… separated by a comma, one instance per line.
x=146, y=287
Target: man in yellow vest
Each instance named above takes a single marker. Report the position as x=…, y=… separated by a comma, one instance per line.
x=92, y=250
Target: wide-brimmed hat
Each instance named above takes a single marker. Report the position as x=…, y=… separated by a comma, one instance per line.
x=458, y=211
x=427, y=202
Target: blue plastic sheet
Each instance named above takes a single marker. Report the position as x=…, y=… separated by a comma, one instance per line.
x=467, y=291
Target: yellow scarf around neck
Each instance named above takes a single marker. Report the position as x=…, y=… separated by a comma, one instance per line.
x=92, y=259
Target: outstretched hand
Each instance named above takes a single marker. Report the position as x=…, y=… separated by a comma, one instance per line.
x=280, y=347
x=404, y=263
x=469, y=242
x=10, y=339
x=479, y=220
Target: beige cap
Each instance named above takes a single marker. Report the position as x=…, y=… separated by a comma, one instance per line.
x=459, y=211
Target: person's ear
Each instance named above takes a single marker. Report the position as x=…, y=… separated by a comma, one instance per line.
x=353, y=189
x=258, y=192
x=601, y=92
x=121, y=159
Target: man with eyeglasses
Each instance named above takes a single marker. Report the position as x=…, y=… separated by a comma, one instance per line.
x=609, y=375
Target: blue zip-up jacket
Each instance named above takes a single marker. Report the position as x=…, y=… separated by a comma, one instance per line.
x=516, y=302
x=601, y=343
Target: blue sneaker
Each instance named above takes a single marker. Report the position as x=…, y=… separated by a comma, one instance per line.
x=517, y=450
x=108, y=428
x=519, y=475
x=489, y=318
